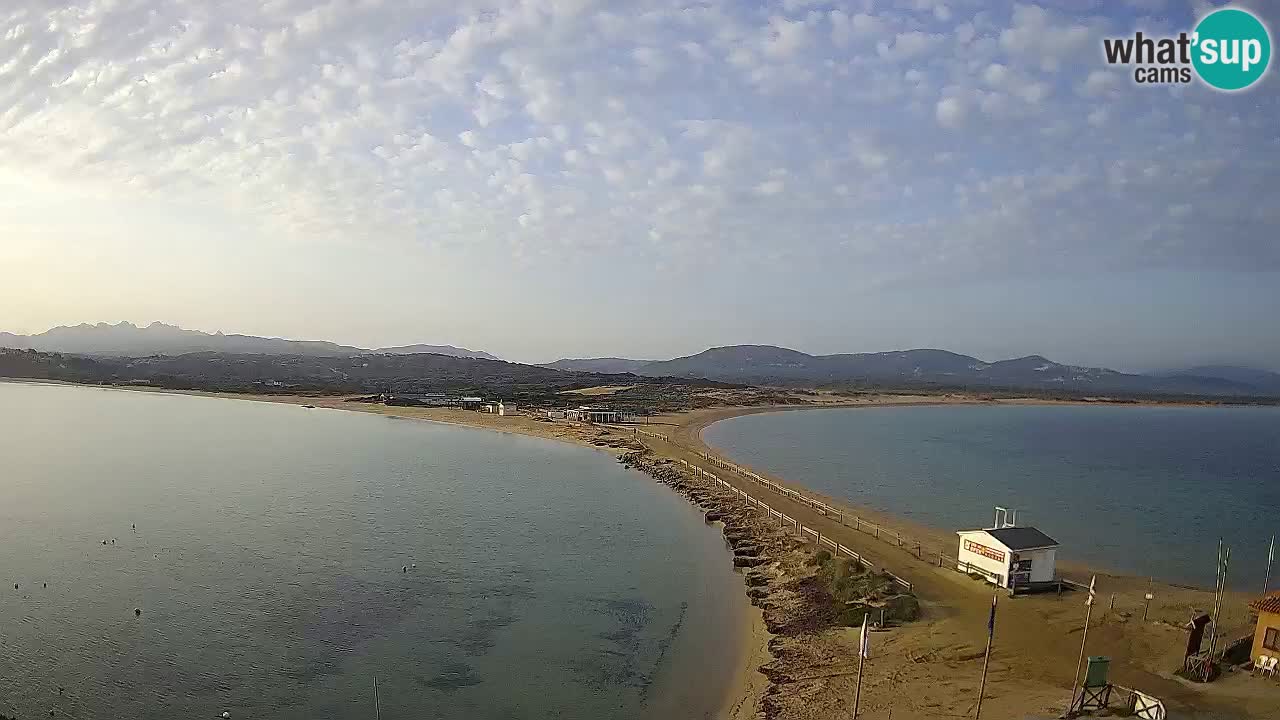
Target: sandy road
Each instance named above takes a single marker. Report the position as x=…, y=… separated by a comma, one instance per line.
x=937, y=664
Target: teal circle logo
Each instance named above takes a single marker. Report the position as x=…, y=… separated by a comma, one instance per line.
x=1232, y=49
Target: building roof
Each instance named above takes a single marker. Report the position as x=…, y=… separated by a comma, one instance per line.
x=1019, y=538
x=1268, y=604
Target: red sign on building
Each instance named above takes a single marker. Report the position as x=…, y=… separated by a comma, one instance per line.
x=984, y=551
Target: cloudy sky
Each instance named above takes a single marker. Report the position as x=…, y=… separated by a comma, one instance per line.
x=548, y=178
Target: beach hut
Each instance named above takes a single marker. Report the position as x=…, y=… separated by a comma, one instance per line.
x=1009, y=556
x=1266, y=635
x=590, y=414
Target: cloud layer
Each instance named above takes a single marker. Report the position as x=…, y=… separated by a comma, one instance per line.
x=904, y=140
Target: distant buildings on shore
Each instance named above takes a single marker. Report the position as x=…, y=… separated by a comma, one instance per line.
x=433, y=399
x=583, y=413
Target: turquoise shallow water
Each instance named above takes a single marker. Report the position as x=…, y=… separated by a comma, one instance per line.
x=1142, y=490
x=267, y=562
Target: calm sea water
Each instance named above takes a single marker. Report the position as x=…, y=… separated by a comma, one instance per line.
x=267, y=562
x=1142, y=490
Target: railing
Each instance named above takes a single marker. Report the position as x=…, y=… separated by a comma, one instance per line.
x=884, y=534
x=784, y=520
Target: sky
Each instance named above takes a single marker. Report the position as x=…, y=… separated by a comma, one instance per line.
x=576, y=178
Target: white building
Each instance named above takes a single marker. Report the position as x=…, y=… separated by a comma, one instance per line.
x=586, y=413
x=498, y=408
x=1011, y=557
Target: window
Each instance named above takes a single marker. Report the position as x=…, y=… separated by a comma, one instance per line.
x=1271, y=640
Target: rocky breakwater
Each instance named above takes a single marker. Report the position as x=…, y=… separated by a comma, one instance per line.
x=809, y=600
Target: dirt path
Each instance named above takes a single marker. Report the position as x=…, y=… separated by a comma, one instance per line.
x=934, y=666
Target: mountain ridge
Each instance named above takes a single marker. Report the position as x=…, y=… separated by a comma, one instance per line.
x=124, y=339
x=927, y=367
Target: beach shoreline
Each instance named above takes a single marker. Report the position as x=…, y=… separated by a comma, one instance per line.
x=1144, y=654
x=1031, y=672
x=746, y=684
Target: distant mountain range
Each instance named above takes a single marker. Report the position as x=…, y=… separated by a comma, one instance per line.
x=601, y=365
x=1261, y=379
x=449, y=350
x=128, y=340
x=746, y=364
x=767, y=364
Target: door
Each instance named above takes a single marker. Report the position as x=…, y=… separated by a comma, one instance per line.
x=1020, y=575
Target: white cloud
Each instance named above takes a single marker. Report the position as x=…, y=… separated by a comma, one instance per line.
x=786, y=37
x=950, y=112
x=770, y=187
x=995, y=74
x=1099, y=82
x=591, y=124
x=1039, y=34
x=908, y=45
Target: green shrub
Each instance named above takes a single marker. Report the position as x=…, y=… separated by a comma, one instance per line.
x=822, y=557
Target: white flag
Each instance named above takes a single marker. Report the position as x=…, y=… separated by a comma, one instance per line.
x=1271, y=554
x=1089, y=601
x=864, y=640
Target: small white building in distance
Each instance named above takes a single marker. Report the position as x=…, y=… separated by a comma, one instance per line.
x=1010, y=557
x=499, y=408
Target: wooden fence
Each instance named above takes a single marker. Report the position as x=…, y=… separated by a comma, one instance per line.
x=890, y=536
x=806, y=533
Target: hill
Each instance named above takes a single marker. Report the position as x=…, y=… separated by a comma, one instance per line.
x=356, y=374
x=767, y=364
x=436, y=350
x=1264, y=380
x=604, y=365
x=128, y=340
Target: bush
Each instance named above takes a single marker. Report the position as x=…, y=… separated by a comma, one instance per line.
x=822, y=557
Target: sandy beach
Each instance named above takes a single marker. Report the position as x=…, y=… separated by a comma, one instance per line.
x=929, y=668
x=933, y=665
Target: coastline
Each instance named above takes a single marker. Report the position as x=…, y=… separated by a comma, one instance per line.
x=931, y=663
x=1143, y=653
x=746, y=685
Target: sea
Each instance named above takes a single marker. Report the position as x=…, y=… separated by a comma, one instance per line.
x=1140, y=490
x=169, y=556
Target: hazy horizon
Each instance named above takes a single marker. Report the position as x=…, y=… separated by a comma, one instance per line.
x=639, y=179
x=143, y=325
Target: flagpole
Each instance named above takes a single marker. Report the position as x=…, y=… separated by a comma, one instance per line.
x=1075, y=679
x=862, y=655
x=986, y=662
x=1271, y=554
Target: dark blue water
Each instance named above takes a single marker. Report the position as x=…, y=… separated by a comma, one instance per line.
x=267, y=562
x=1141, y=490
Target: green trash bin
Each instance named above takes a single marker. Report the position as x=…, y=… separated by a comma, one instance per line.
x=1096, y=674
